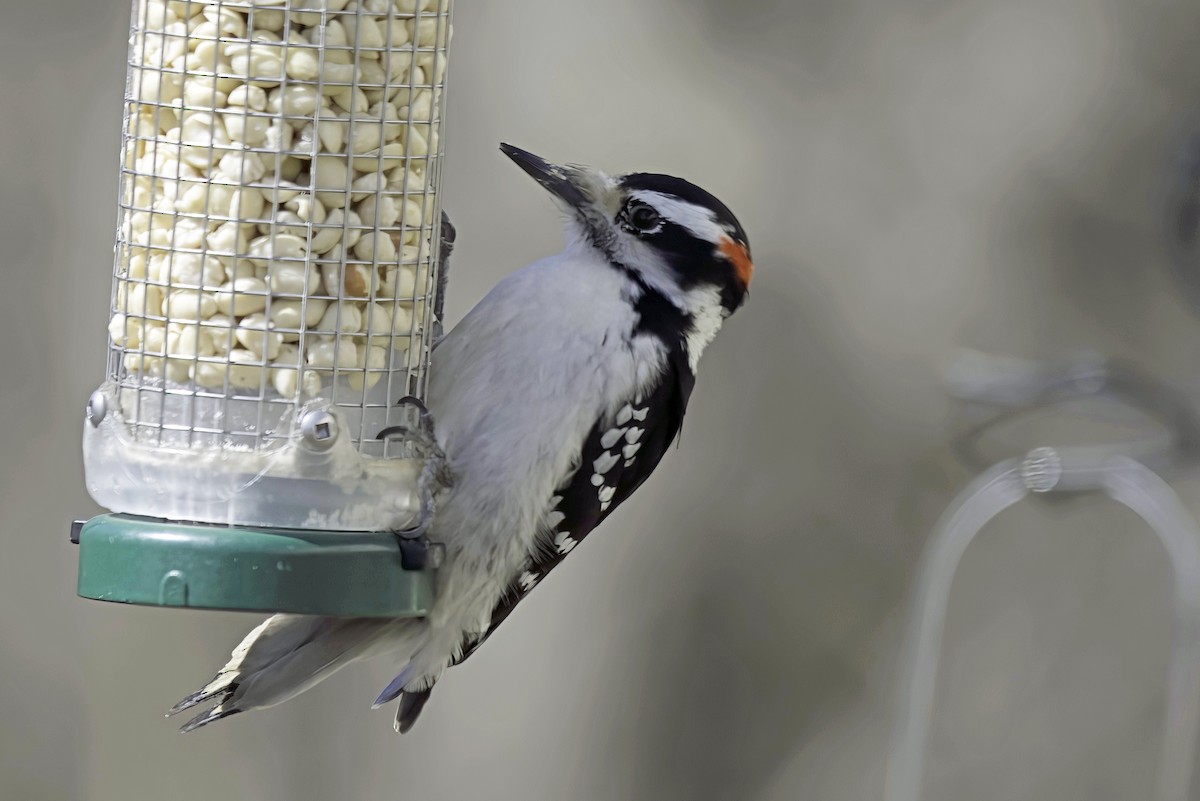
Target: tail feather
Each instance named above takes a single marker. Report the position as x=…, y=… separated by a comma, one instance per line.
x=201, y=696
x=273, y=638
x=205, y=718
x=286, y=655
x=409, y=710
x=395, y=687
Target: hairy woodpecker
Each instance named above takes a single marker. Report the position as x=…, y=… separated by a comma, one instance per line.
x=553, y=400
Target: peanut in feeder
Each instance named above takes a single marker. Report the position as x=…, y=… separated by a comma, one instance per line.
x=275, y=292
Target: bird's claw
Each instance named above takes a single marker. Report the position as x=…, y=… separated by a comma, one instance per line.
x=435, y=473
x=421, y=437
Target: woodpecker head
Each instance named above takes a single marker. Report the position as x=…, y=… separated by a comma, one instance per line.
x=667, y=233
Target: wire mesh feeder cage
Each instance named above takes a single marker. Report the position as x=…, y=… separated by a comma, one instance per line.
x=276, y=290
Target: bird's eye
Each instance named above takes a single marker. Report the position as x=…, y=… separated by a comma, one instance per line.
x=642, y=217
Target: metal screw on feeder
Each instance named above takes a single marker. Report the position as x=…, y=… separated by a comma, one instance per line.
x=277, y=287
x=319, y=429
x=97, y=408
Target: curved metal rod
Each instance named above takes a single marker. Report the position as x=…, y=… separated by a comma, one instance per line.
x=1125, y=481
x=1140, y=489
x=985, y=497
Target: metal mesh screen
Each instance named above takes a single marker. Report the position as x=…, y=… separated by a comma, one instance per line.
x=279, y=216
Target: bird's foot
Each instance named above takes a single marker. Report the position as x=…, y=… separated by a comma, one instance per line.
x=435, y=472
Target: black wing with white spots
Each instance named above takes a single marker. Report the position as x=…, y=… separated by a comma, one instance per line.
x=618, y=456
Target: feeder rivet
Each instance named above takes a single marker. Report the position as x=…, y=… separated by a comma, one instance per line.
x=97, y=408
x=319, y=429
x=1042, y=469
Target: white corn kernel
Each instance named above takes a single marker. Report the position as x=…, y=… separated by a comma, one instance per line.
x=220, y=329
x=227, y=20
x=255, y=334
x=201, y=92
x=252, y=97
x=371, y=73
x=242, y=167
x=139, y=299
x=188, y=304
x=387, y=158
x=125, y=332
x=367, y=185
x=279, y=138
x=269, y=19
x=135, y=267
x=332, y=233
x=428, y=31
x=416, y=142
x=282, y=192
x=412, y=6
x=387, y=319
x=385, y=205
x=246, y=129
x=152, y=86
x=399, y=282
x=154, y=337
x=187, y=270
x=303, y=64
x=189, y=234
x=154, y=14
x=242, y=371
x=146, y=365
x=351, y=100
x=336, y=77
x=189, y=340
x=314, y=310
x=335, y=32
x=284, y=379
x=292, y=278
x=348, y=320
x=330, y=352
x=289, y=355
x=262, y=66
x=286, y=222
x=288, y=315
x=290, y=168
x=421, y=107
x=374, y=360
x=280, y=246
x=414, y=217
x=307, y=208
x=228, y=238
x=376, y=247
x=352, y=282
x=293, y=100
x=202, y=129
x=329, y=174
x=245, y=269
x=241, y=296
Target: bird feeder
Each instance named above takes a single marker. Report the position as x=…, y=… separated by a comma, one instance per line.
x=275, y=294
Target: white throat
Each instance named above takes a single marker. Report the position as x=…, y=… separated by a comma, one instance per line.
x=707, y=316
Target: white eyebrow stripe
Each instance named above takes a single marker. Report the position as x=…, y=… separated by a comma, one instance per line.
x=701, y=222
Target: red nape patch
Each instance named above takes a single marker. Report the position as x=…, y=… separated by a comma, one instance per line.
x=739, y=258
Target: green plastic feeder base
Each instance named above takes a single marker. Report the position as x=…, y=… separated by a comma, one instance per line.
x=158, y=563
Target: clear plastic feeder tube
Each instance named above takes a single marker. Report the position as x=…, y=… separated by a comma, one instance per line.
x=275, y=263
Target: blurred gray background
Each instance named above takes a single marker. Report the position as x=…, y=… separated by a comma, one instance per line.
x=915, y=176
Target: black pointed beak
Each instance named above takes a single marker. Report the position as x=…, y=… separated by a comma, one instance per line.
x=555, y=178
